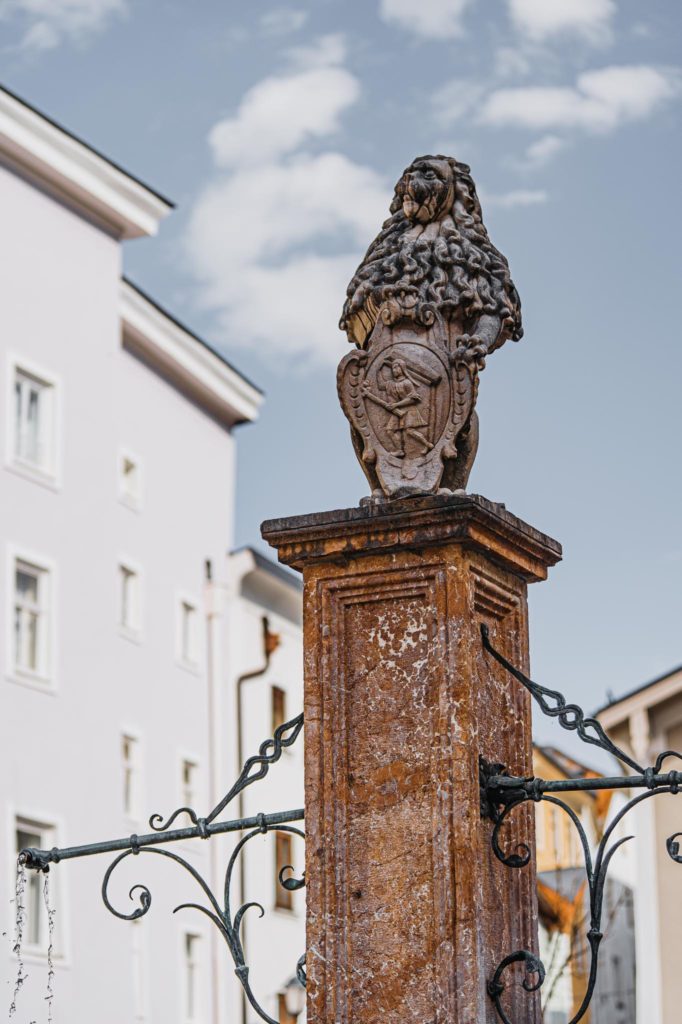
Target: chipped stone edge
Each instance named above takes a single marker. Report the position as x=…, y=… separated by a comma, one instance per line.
x=414, y=524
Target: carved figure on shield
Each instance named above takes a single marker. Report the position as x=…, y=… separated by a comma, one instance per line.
x=404, y=404
x=433, y=296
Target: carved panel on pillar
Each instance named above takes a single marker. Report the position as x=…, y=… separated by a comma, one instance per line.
x=499, y=600
x=386, y=818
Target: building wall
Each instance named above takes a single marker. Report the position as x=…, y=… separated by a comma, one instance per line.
x=274, y=942
x=668, y=821
x=60, y=744
x=557, y=997
x=650, y=725
x=561, y=864
x=614, y=996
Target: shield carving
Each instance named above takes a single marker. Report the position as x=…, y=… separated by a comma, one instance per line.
x=406, y=402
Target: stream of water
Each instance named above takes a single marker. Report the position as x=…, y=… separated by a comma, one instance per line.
x=50, y=911
x=17, y=946
x=19, y=922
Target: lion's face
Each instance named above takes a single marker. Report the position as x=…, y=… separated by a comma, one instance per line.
x=426, y=190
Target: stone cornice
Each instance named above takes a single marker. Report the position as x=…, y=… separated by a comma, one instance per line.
x=417, y=523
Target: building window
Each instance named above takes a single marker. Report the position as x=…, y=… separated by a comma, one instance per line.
x=36, y=930
x=33, y=421
x=139, y=965
x=192, y=981
x=283, y=897
x=188, y=633
x=130, y=480
x=540, y=827
x=629, y=908
x=129, y=599
x=557, y=837
x=31, y=618
x=279, y=707
x=130, y=757
x=188, y=782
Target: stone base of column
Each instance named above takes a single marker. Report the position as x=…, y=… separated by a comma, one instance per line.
x=409, y=912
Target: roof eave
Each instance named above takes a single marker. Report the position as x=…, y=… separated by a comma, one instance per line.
x=43, y=150
x=211, y=380
x=650, y=694
x=247, y=560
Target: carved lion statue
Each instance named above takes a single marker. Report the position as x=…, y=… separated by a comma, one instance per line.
x=435, y=248
x=433, y=262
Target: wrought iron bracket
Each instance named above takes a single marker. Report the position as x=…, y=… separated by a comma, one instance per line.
x=219, y=911
x=501, y=792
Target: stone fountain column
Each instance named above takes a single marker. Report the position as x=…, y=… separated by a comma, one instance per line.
x=408, y=910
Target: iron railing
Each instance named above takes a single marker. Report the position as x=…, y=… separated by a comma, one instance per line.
x=502, y=793
x=219, y=911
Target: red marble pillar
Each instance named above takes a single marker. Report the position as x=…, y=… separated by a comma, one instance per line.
x=409, y=912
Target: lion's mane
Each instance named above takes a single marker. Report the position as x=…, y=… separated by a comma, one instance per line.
x=460, y=273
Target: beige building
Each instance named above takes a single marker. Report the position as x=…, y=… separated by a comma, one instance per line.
x=564, y=908
x=645, y=723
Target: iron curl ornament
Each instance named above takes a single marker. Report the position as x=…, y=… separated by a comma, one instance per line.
x=502, y=793
x=220, y=911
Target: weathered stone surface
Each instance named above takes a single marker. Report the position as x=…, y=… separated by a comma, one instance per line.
x=408, y=910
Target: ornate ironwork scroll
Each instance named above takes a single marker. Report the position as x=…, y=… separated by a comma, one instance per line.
x=501, y=793
x=227, y=920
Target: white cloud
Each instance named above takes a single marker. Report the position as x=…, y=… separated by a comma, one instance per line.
x=51, y=22
x=511, y=62
x=283, y=20
x=517, y=197
x=274, y=239
x=543, y=150
x=430, y=19
x=454, y=99
x=323, y=51
x=281, y=113
x=541, y=20
x=600, y=101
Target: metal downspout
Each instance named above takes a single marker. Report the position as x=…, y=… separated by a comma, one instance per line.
x=271, y=642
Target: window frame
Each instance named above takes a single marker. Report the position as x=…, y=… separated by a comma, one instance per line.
x=50, y=828
x=135, y=630
x=192, y=759
x=135, y=814
x=199, y=1015
x=43, y=679
x=277, y=692
x=47, y=473
x=284, y=898
x=133, y=501
x=540, y=827
x=139, y=957
x=184, y=599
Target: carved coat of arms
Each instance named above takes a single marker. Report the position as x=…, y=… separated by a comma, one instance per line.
x=430, y=300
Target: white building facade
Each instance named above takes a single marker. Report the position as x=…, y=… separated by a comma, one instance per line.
x=263, y=689
x=645, y=723
x=120, y=658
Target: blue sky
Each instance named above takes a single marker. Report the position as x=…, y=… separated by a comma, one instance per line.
x=280, y=129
